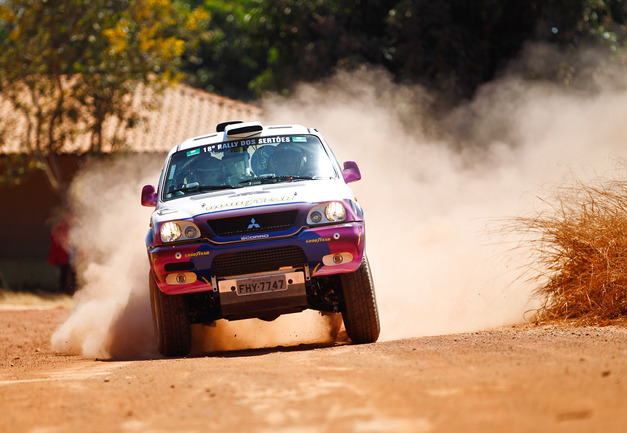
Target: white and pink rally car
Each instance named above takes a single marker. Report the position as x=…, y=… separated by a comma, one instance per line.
x=256, y=221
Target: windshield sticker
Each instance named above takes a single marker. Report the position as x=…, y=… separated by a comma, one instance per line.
x=218, y=147
x=229, y=145
x=270, y=140
x=172, y=171
x=251, y=202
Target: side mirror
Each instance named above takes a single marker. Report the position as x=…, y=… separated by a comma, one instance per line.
x=351, y=172
x=149, y=196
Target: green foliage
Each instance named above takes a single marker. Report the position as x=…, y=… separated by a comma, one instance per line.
x=68, y=65
x=231, y=57
x=259, y=46
x=573, y=22
x=313, y=38
x=452, y=46
x=455, y=46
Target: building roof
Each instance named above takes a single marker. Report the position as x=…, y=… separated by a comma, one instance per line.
x=182, y=112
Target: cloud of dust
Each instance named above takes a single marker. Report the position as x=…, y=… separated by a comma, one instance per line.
x=428, y=201
x=431, y=203
x=111, y=315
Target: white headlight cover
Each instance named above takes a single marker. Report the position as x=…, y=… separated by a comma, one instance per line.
x=335, y=211
x=173, y=231
x=170, y=231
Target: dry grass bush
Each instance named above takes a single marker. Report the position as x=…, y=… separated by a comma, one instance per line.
x=580, y=249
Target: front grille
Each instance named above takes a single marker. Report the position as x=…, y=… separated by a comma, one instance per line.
x=263, y=222
x=248, y=262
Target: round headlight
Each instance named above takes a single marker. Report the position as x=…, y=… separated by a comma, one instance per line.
x=335, y=211
x=316, y=217
x=170, y=232
x=190, y=232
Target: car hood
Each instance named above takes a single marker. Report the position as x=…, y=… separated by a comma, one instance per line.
x=310, y=191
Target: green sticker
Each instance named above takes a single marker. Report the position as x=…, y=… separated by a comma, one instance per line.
x=299, y=139
x=193, y=152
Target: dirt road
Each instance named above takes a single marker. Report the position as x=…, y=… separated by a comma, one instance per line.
x=516, y=379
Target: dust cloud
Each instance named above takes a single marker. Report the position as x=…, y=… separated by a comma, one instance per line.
x=434, y=187
x=111, y=315
x=431, y=186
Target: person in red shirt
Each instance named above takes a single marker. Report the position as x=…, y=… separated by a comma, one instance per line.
x=59, y=255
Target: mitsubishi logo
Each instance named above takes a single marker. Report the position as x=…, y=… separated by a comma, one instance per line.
x=253, y=224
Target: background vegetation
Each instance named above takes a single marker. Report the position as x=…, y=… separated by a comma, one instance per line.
x=580, y=246
x=451, y=46
x=66, y=66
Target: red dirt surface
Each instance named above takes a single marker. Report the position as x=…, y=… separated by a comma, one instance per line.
x=514, y=379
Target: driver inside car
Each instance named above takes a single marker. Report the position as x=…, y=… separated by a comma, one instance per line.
x=286, y=161
x=205, y=171
x=234, y=166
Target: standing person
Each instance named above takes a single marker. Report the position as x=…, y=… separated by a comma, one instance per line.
x=59, y=255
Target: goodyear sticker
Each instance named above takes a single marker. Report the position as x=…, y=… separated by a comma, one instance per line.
x=258, y=201
x=193, y=152
x=317, y=240
x=197, y=254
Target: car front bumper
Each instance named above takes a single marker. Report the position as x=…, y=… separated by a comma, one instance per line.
x=200, y=266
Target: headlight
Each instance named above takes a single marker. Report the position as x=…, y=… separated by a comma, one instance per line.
x=316, y=217
x=173, y=231
x=335, y=211
x=326, y=213
x=170, y=232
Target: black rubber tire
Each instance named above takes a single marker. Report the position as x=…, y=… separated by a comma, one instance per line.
x=360, y=314
x=171, y=322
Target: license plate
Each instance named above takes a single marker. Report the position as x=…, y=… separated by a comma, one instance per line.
x=267, y=284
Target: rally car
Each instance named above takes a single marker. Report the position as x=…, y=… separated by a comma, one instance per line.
x=256, y=221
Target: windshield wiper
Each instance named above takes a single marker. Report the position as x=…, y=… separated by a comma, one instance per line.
x=274, y=178
x=195, y=187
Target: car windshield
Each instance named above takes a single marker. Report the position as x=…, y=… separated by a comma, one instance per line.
x=251, y=161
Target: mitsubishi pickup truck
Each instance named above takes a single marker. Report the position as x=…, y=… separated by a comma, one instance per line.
x=256, y=221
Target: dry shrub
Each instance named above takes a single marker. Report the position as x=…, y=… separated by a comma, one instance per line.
x=580, y=246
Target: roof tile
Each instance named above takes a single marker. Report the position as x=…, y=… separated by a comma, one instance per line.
x=182, y=112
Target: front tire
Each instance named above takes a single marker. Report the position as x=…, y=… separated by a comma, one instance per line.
x=171, y=321
x=360, y=314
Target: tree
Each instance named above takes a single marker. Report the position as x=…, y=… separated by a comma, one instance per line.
x=309, y=39
x=66, y=66
x=269, y=45
x=451, y=46
x=227, y=62
x=455, y=46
